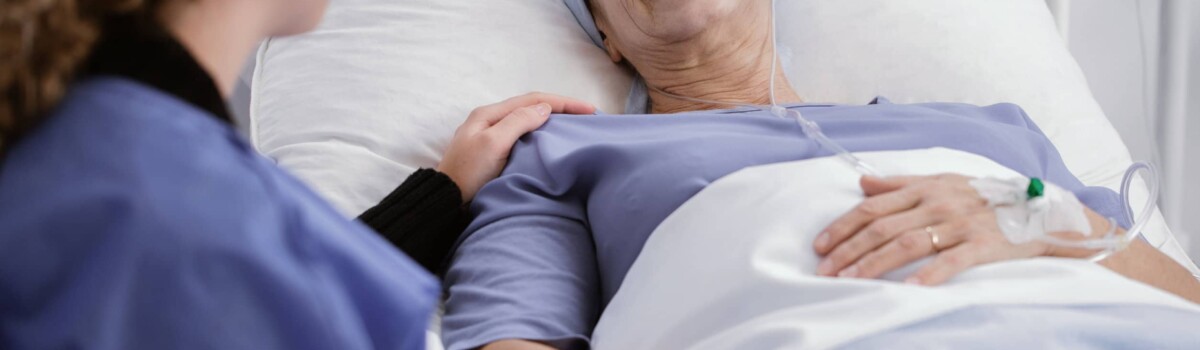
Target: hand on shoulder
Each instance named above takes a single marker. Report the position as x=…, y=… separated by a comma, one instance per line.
x=480, y=147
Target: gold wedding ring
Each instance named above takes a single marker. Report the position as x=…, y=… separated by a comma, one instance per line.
x=933, y=238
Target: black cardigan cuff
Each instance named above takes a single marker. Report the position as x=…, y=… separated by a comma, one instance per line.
x=423, y=217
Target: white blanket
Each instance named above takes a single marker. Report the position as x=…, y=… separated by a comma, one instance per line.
x=733, y=267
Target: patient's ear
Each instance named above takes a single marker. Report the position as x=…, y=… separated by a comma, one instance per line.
x=613, y=53
x=609, y=45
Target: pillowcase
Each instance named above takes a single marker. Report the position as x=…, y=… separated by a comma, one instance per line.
x=378, y=89
x=977, y=52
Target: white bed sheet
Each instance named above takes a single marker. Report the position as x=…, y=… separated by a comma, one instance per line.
x=733, y=267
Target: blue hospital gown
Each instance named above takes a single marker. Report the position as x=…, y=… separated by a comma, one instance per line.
x=559, y=229
x=133, y=220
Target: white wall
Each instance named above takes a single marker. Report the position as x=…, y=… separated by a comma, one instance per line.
x=1104, y=38
x=1192, y=193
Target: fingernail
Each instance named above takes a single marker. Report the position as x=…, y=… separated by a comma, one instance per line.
x=825, y=267
x=822, y=240
x=850, y=272
x=913, y=281
x=542, y=108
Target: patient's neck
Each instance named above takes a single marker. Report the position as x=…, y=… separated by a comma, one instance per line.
x=726, y=75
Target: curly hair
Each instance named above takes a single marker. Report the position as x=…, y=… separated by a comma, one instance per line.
x=43, y=45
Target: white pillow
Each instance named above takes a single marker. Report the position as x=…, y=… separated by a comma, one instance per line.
x=978, y=52
x=379, y=88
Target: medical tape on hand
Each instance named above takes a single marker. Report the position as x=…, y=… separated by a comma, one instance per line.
x=1024, y=215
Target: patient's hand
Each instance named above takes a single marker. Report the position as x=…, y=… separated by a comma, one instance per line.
x=903, y=217
x=481, y=145
x=898, y=221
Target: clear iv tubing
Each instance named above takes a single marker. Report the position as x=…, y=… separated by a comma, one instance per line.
x=1110, y=243
x=809, y=127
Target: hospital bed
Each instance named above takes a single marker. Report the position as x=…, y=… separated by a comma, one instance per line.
x=378, y=89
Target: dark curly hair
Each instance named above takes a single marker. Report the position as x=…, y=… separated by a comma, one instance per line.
x=43, y=45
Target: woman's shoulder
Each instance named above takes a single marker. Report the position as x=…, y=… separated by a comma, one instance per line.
x=118, y=127
x=125, y=108
x=117, y=147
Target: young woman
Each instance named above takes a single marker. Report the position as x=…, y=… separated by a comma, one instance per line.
x=132, y=216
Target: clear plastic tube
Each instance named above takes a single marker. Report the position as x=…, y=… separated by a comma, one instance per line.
x=1143, y=218
x=813, y=131
x=1110, y=243
x=809, y=127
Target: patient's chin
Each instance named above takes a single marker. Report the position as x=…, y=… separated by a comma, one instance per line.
x=680, y=20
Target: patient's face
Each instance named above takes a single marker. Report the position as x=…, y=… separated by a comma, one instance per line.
x=645, y=31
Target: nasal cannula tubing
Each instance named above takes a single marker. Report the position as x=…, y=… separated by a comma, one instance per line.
x=1110, y=243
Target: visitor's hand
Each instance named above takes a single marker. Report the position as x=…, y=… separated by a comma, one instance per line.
x=904, y=219
x=480, y=147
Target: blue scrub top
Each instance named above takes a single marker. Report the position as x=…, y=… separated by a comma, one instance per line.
x=133, y=220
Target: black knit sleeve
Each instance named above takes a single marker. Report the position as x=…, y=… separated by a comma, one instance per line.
x=423, y=217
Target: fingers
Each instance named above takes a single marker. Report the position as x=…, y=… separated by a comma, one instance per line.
x=976, y=248
x=519, y=122
x=910, y=246
x=842, y=260
x=491, y=114
x=889, y=230
x=949, y=263
x=866, y=212
x=480, y=147
x=970, y=254
x=873, y=185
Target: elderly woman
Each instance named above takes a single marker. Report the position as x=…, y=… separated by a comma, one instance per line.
x=558, y=231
